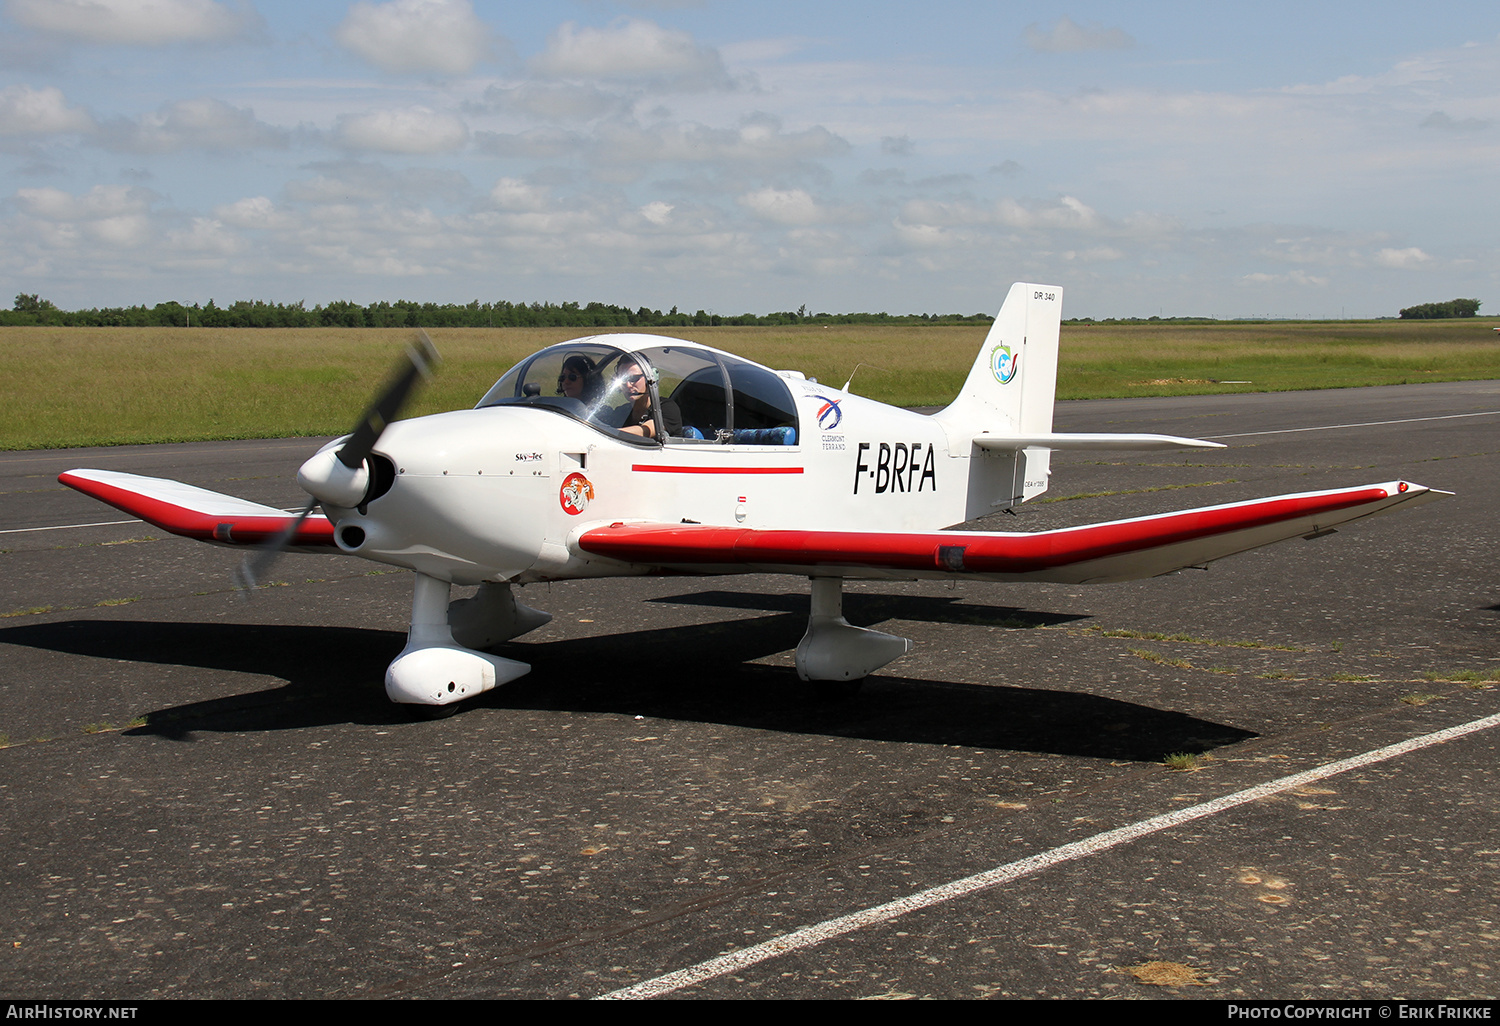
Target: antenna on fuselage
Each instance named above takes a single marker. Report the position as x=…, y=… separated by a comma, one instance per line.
x=855, y=371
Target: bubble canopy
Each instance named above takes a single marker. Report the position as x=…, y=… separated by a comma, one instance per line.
x=697, y=394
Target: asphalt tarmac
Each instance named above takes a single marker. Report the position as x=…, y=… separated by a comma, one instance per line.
x=207, y=797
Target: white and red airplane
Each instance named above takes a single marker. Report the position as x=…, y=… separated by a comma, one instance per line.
x=628, y=454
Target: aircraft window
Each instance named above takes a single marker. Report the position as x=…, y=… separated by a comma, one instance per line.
x=693, y=382
x=576, y=378
x=764, y=413
x=719, y=398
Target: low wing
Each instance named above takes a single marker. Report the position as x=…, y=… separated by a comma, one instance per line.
x=199, y=513
x=1098, y=553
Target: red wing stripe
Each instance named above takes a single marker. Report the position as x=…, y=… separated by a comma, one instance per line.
x=654, y=468
x=190, y=523
x=1008, y=553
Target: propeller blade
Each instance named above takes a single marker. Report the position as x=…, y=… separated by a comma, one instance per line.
x=421, y=358
x=417, y=365
x=256, y=565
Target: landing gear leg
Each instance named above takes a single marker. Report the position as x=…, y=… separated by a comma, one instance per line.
x=493, y=615
x=833, y=649
x=433, y=669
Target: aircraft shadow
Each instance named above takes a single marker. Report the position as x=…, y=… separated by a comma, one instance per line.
x=706, y=674
x=332, y=674
x=702, y=673
x=864, y=610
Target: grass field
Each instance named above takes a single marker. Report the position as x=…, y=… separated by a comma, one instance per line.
x=106, y=386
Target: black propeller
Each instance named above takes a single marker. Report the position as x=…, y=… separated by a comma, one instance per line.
x=415, y=366
x=420, y=361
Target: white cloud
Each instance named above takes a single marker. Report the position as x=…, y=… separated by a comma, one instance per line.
x=124, y=232
x=939, y=214
x=536, y=144
x=140, y=22
x=1067, y=212
x=1292, y=278
x=1094, y=254
x=115, y=216
x=1402, y=258
x=633, y=51
x=516, y=195
x=784, y=206
x=343, y=181
x=403, y=130
x=1068, y=36
x=759, y=141
x=254, y=212
x=201, y=124
x=27, y=111
x=417, y=35
x=102, y=201
x=204, y=239
x=658, y=212
x=564, y=101
x=920, y=235
x=1437, y=119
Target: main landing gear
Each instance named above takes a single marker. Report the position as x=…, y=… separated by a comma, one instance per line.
x=836, y=652
x=440, y=665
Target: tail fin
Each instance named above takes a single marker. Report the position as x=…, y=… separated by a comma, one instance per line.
x=1009, y=392
x=1010, y=387
x=1002, y=420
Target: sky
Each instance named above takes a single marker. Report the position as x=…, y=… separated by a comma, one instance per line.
x=1152, y=158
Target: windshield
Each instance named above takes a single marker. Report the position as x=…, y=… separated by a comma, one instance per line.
x=582, y=379
x=695, y=394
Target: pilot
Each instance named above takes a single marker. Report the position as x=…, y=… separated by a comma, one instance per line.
x=639, y=418
x=577, y=379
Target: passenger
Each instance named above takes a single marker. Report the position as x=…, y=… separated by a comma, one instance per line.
x=638, y=418
x=577, y=379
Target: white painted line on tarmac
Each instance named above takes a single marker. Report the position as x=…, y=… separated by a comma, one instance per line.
x=102, y=523
x=1369, y=423
x=132, y=452
x=69, y=527
x=809, y=936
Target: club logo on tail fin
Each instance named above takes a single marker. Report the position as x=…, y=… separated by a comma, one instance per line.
x=1004, y=364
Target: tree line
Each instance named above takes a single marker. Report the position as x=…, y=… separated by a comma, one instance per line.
x=31, y=309
x=1431, y=311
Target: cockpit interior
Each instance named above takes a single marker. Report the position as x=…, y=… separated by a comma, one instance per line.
x=698, y=396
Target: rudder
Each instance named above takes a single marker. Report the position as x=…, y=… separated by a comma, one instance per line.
x=1009, y=392
x=1011, y=385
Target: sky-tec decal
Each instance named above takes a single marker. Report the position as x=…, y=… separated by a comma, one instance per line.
x=1004, y=364
x=898, y=467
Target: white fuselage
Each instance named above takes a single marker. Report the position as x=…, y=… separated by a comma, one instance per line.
x=502, y=492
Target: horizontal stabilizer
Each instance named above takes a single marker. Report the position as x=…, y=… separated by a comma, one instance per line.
x=1122, y=550
x=1091, y=441
x=199, y=513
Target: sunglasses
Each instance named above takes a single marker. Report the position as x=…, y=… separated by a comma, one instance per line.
x=568, y=376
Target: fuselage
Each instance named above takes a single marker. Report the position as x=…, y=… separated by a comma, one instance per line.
x=503, y=491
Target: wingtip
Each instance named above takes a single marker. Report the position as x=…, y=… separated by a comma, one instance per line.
x=1410, y=490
